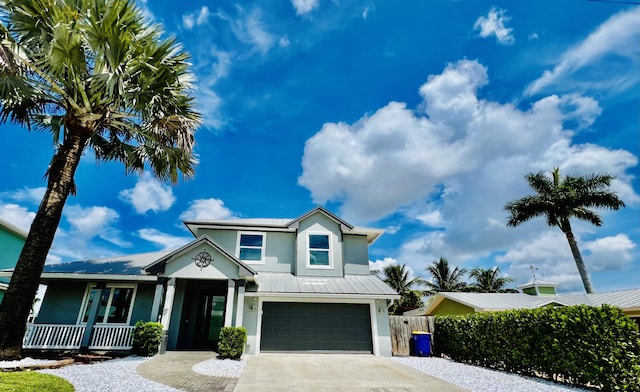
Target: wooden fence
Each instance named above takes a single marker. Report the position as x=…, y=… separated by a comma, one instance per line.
x=401, y=328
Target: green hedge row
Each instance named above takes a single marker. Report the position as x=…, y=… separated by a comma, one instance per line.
x=582, y=345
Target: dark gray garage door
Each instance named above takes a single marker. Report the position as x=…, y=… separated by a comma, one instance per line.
x=291, y=326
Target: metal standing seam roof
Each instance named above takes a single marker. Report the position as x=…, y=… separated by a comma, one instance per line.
x=286, y=283
x=121, y=265
x=506, y=301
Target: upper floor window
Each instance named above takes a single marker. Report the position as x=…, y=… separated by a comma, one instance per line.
x=251, y=247
x=115, y=304
x=319, y=250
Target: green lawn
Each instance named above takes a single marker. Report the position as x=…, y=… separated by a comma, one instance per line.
x=33, y=382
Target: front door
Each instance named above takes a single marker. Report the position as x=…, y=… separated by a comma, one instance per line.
x=202, y=317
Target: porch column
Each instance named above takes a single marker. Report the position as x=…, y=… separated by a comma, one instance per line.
x=168, y=303
x=240, y=307
x=93, y=315
x=157, y=300
x=228, y=314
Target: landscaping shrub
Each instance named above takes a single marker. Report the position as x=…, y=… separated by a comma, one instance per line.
x=582, y=345
x=232, y=341
x=147, y=337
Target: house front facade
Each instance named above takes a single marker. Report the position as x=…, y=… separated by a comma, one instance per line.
x=11, y=242
x=296, y=285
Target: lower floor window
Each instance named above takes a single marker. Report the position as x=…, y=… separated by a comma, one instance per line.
x=115, y=304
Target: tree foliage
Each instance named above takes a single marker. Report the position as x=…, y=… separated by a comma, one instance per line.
x=397, y=277
x=444, y=279
x=559, y=199
x=488, y=280
x=95, y=75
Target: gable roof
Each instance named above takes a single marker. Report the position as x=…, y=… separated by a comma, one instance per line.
x=356, y=286
x=283, y=225
x=158, y=265
x=482, y=302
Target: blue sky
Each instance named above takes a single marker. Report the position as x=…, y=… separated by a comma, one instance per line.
x=419, y=117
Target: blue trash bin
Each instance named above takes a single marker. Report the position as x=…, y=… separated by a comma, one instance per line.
x=421, y=343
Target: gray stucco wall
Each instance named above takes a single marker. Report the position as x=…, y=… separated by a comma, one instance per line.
x=318, y=224
x=62, y=302
x=356, y=254
x=384, y=333
x=250, y=322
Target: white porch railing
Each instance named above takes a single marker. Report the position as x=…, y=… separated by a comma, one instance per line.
x=110, y=337
x=69, y=337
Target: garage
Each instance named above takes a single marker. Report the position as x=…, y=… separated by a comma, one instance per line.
x=300, y=326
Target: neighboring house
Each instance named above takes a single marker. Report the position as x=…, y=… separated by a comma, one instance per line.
x=535, y=294
x=11, y=243
x=295, y=285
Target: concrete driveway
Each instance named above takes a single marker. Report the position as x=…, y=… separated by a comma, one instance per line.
x=334, y=373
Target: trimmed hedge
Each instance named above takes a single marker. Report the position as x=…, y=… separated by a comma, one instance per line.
x=232, y=341
x=147, y=337
x=582, y=345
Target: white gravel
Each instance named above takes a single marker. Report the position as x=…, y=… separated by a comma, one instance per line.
x=28, y=361
x=115, y=375
x=220, y=367
x=478, y=379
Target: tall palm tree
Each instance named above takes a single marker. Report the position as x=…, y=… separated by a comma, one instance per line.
x=488, y=280
x=97, y=77
x=443, y=278
x=397, y=277
x=559, y=199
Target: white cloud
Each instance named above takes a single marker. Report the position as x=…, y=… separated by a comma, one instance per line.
x=146, y=11
x=148, y=195
x=198, y=18
x=303, y=7
x=533, y=36
x=396, y=157
x=609, y=253
x=250, y=30
x=17, y=215
x=206, y=209
x=453, y=163
x=166, y=241
x=90, y=222
x=617, y=37
x=30, y=195
x=365, y=13
x=494, y=24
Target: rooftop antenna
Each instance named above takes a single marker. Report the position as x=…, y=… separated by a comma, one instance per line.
x=533, y=272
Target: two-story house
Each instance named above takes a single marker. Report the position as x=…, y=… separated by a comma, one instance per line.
x=295, y=284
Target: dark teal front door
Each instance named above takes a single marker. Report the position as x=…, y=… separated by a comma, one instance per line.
x=330, y=327
x=202, y=317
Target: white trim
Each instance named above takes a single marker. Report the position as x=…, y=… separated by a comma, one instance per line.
x=320, y=296
x=373, y=315
x=329, y=251
x=228, y=312
x=111, y=286
x=169, y=297
x=262, y=248
x=98, y=277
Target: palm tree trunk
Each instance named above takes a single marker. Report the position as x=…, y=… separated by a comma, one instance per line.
x=17, y=302
x=582, y=269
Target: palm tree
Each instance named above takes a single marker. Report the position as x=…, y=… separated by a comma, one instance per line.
x=489, y=281
x=397, y=277
x=559, y=199
x=97, y=77
x=443, y=278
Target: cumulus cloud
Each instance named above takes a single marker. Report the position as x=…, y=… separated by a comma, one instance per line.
x=303, y=7
x=494, y=24
x=30, y=195
x=454, y=162
x=17, y=216
x=164, y=240
x=198, y=18
x=148, y=195
x=206, y=209
x=609, y=253
x=616, y=39
x=88, y=222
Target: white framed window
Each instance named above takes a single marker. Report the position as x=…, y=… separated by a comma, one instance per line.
x=251, y=246
x=115, y=307
x=319, y=250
